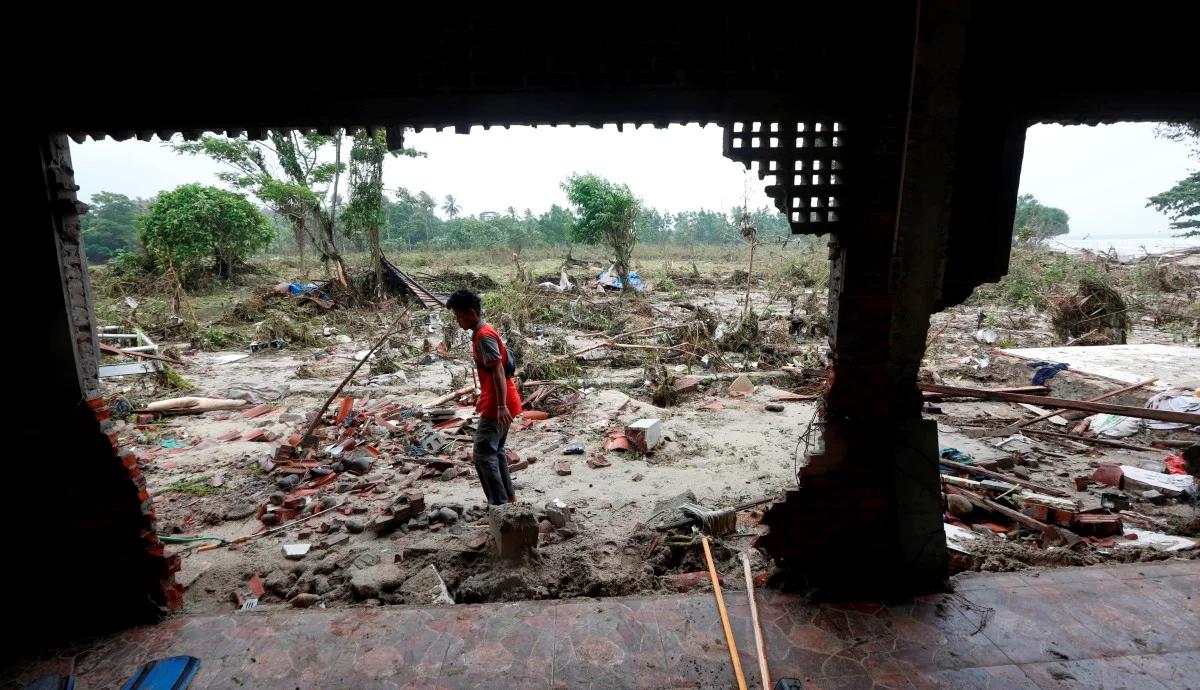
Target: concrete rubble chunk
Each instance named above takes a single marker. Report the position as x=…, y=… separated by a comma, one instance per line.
x=370, y=582
x=557, y=513
x=426, y=587
x=514, y=530
x=304, y=600
x=741, y=385
x=296, y=551
x=645, y=434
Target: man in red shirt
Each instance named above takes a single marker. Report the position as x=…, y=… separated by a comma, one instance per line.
x=498, y=398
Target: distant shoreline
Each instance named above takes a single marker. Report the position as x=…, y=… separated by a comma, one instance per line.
x=1126, y=247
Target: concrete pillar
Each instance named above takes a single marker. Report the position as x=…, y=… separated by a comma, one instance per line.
x=868, y=511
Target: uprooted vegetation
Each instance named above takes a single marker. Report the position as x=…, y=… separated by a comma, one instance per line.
x=1095, y=298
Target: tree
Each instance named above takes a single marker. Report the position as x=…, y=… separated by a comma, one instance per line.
x=298, y=185
x=427, y=204
x=109, y=226
x=364, y=214
x=554, y=226
x=193, y=222
x=1181, y=203
x=451, y=207
x=1035, y=221
x=608, y=213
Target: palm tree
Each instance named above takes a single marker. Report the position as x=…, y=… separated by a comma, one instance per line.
x=451, y=206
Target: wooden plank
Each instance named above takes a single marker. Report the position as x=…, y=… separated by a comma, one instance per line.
x=1032, y=390
x=1041, y=488
x=1083, y=439
x=1082, y=405
x=1098, y=398
x=981, y=502
x=107, y=370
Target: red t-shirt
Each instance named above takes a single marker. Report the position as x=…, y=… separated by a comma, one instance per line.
x=487, y=349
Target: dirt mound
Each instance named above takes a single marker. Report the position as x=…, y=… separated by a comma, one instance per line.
x=1003, y=557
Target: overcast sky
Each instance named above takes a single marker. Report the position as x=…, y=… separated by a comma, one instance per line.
x=1100, y=175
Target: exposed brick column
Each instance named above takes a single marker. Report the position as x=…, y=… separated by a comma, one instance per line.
x=86, y=538
x=868, y=510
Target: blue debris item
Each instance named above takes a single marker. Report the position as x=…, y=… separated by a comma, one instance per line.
x=1044, y=371
x=610, y=279
x=172, y=673
x=956, y=455
x=52, y=683
x=305, y=288
x=173, y=443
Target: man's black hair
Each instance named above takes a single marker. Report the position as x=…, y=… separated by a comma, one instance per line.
x=463, y=300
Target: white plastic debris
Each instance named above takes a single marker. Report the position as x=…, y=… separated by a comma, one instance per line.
x=1156, y=540
x=958, y=538
x=986, y=336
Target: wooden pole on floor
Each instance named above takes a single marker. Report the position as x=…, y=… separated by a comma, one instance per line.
x=729, y=641
x=1098, y=398
x=758, y=634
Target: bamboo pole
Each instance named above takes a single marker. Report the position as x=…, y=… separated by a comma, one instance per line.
x=729, y=641
x=760, y=647
x=320, y=412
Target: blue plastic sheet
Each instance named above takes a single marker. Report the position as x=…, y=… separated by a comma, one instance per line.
x=610, y=278
x=302, y=288
x=1044, y=371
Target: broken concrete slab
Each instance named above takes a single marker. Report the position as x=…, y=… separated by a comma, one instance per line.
x=1171, y=365
x=1138, y=479
x=190, y=570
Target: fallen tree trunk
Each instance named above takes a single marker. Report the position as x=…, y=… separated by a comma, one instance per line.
x=1082, y=405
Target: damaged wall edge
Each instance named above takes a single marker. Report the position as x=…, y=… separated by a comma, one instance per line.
x=82, y=521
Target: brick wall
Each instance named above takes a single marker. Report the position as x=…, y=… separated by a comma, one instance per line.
x=85, y=539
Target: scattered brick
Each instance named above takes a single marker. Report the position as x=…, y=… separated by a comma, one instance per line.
x=346, y=406
x=685, y=582
x=256, y=586
x=1109, y=475
x=256, y=411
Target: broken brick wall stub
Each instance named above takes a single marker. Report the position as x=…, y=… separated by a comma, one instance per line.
x=94, y=491
x=870, y=502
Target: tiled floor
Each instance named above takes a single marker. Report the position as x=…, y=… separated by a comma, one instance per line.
x=1132, y=626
